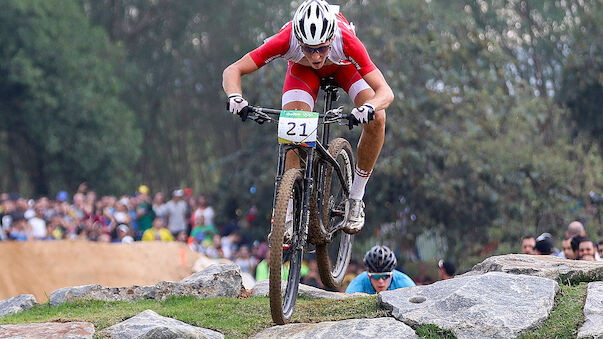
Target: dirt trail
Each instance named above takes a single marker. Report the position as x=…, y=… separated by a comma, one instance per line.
x=41, y=267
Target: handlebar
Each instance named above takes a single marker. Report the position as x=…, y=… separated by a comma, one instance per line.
x=261, y=115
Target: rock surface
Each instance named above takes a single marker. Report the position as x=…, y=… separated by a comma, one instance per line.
x=215, y=281
x=593, y=312
x=545, y=266
x=345, y=329
x=149, y=324
x=261, y=289
x=17, y=304
x=71, y=330
x=492, y=305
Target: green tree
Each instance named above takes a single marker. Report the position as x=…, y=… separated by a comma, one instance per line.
x=582, y=87
x=62, y=121
x=476, y=148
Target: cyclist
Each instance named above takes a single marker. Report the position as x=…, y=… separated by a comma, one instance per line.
x=381, y=274
x=318, y=43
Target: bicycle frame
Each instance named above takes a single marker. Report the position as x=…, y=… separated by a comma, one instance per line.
x=308, y=186
x=330, y=96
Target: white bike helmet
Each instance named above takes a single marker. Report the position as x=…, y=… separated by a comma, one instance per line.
x=314, y=22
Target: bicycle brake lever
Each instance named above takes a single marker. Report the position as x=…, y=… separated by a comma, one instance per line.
x=351, y=121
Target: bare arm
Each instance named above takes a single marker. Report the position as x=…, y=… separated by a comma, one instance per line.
x=383, y=93
x=231, y=77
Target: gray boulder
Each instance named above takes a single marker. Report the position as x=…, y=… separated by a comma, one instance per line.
x=593, y=312
x=17, y=304
x=149, y=324
x=545, y=266
x=70, y=330
x=492, y=305
x=215, y=281
x=345, y=329
x=261, y=289
x=71, y=293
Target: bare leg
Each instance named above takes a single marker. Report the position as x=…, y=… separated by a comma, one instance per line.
x=373, y=135
x=369, y=147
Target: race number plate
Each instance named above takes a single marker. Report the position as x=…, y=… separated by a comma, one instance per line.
x=298, y=127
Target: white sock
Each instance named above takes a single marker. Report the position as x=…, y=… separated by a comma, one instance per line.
x=361, y=177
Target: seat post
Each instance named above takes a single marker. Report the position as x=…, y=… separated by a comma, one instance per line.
x=330, y=87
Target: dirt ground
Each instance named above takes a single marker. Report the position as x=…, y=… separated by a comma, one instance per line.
x=41, y=267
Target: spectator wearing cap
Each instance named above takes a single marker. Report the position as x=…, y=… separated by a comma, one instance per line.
x=446, y=269
x=544, y=244
x=62, y=196
x=123, y=234
x=176, y=210
x=527, y=245
x=381, y=274
x=144, y=210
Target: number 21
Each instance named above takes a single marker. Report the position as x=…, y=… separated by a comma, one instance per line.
x=293, y=125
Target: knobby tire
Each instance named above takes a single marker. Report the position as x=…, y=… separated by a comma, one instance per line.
x=281, y=305
x=333, y=255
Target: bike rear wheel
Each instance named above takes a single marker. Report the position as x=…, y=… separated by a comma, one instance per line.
x=286, y=257
x=333, y=255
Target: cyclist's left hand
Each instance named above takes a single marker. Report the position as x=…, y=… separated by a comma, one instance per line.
x=364, y=113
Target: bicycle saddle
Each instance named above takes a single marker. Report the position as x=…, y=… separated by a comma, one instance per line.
x=328, y=83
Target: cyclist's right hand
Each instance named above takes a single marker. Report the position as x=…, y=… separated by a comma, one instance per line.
x=237, y=105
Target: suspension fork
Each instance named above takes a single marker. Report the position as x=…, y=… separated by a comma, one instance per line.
x=307, y=191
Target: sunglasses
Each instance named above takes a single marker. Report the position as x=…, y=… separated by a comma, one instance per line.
x=378, y=276
x=319, y=50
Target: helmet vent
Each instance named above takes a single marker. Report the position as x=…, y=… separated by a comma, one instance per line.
x=303, y=32
x=325, y=24
x=313, y=29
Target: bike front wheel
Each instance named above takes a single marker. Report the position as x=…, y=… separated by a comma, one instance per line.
x=286, y=257
x=333, y=255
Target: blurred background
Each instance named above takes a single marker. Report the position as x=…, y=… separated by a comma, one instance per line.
x=496, y=131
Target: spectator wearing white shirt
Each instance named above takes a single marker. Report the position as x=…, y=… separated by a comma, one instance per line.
x=176, y=213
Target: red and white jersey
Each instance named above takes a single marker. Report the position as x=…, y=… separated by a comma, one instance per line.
x=346, y=48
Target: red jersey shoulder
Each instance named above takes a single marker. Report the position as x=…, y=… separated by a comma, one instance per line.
x=354, y=49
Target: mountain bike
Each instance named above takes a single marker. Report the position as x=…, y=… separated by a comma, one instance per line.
x=317, y=193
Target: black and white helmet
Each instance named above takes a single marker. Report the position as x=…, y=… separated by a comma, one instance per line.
x=314, y=22
x=380, y=259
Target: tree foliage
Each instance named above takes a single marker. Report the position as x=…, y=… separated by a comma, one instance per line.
x=62, y=120
x=495, y=132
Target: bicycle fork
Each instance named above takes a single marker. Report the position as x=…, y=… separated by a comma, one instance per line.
x=302, y=235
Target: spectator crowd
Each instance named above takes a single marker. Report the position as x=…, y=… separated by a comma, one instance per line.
x=574, y=246
x=184, y=217
x=190, y=219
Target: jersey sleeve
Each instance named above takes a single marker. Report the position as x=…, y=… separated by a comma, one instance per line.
x=274, y=47
x=401, y=280
x=356, y=53
x=360, y=284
